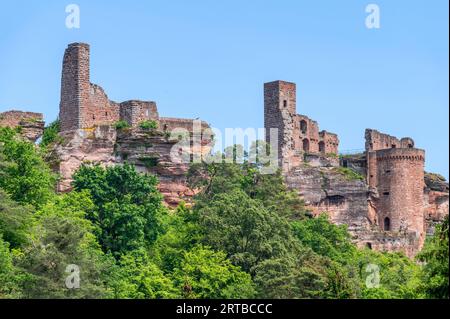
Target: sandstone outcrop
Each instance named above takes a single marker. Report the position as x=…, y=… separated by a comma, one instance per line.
x=30, y=125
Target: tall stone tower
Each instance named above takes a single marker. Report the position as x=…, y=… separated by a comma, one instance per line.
x=75, y=87
x=396, y=171
x=279, y=112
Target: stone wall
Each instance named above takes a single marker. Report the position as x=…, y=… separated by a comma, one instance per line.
x=279, y=110
x=395, y=173
x=87, y=117
x=328, y=143
x=378, y=141
x=297, y=134
x=134, y=112
x=31, y=124
x=75, y=87
x=85, y=105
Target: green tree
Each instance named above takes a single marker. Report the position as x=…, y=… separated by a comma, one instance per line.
x=293, y=276
x=127, y=205
x=207, y=274
x=10, y=277
x=62, y=237
x=139, y=278
x=24, y=176
x=51, y=134
x=243, y=228
x=181, y=232
x=15, y=221
x=347, y=267
x=435, y=273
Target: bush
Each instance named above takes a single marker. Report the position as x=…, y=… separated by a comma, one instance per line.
x=148, y=125
x=51, y=134
x=349, y=174
x=119, y=125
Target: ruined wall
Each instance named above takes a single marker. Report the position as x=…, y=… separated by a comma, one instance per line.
x=87, y=115
x=135, y=112
x=100, y=111
x=306, y=134
x=31, y=124
x=378, y=141
x=85, y=105
x=328, y=143
x=297, y=134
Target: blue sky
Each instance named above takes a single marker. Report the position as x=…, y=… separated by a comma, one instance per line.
x=209, y=59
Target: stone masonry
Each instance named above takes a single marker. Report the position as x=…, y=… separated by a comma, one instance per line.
x=87, y=126
x=298, y=135
x=389, y=208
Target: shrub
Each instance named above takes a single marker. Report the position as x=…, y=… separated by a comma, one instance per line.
x=148, y=125
x=119, y=125
x=51, y=135
x=349, y=174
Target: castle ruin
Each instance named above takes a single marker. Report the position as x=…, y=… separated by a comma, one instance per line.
x=298, y=135
x=386, y=209
x=383, y=194
x=87, y=121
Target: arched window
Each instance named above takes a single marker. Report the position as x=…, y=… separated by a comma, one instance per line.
x=305, y=145
x=387, y=224
x=322, y=147
x=303, y=126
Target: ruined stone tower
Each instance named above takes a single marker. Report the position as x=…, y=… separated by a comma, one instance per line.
x=396, y=170
x=298, y=135
x=279, y=109
x=75, y=86
x=85, y=105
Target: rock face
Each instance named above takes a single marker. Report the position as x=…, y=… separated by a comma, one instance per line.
x=157, y=153
x=349, y=201
x=435, y=200
x=31, y=124
x=150, y=151
x=326, y=190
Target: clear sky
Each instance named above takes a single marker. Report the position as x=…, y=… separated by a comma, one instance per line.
x=209, y=59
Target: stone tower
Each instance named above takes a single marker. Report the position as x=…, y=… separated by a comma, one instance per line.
x=279, y=111
x=298, y=136
x=75, y=87
x=396, y=171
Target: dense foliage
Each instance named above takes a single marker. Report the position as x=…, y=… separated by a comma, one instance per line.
x=245, y=236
